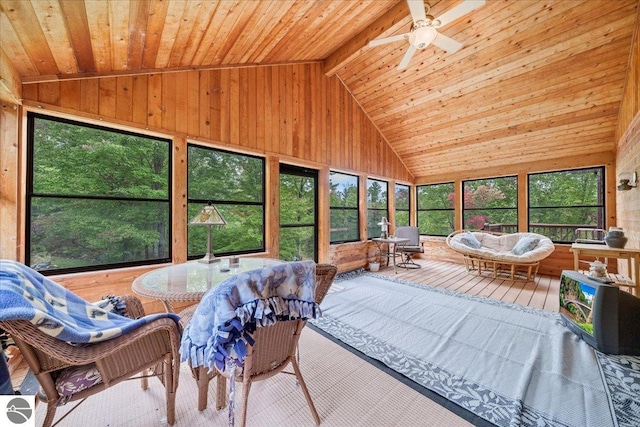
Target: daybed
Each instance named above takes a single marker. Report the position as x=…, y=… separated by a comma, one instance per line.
x=495, y=251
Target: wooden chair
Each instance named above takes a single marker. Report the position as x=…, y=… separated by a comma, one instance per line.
x=274, y=349
x=152, y=347
x=412, y=247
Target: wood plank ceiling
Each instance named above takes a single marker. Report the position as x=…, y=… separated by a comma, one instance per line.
x=535, y=80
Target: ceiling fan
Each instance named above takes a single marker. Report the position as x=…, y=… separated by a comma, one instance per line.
x=424, y=30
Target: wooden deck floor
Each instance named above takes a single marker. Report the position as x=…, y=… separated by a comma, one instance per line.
x=542, y=292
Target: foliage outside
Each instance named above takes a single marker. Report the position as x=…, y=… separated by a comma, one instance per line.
x=490, y=201
x=377, y=206
x=435, y=206
x=560, y=202
x=234, y=183
x=403, y=203
x=97, y=196
x=343, y=206
x=297, y=217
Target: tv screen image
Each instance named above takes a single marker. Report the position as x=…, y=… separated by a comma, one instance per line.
x=576, y=302
x=603, y=315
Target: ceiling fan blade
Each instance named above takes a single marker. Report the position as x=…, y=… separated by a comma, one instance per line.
x=446, y=43
x=385, y=40
x=416, y=7
x=406, y=58
x=461, y=9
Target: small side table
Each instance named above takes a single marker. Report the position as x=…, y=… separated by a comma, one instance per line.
x=631, y=255
x=392, y=245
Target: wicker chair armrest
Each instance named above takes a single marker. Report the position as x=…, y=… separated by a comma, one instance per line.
x=134, y=308
x=90, y=353
x=325, y=273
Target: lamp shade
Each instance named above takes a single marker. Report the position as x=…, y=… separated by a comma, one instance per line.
x=384, y=221
x=209, y=215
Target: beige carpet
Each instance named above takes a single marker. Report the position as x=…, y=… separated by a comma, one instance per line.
x=346, y=390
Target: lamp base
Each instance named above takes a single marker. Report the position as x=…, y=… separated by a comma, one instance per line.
x=209, y=259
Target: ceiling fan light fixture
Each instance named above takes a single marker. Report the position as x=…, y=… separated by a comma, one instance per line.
x=422, y=37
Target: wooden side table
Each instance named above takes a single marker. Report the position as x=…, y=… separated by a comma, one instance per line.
x=631, y=255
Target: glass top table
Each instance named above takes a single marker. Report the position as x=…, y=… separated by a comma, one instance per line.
x=188, y=282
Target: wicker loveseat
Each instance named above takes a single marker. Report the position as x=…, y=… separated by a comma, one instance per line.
x=499, y=251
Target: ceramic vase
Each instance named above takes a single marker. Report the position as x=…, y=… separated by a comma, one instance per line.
x=615, y=239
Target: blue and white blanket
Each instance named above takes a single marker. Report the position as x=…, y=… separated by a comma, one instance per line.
x=223, y=321
x=26, y=294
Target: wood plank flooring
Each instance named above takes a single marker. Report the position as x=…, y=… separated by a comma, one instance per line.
x=541, y=292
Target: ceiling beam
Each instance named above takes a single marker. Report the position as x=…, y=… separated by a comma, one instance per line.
x=397, y=17
x=10, y=83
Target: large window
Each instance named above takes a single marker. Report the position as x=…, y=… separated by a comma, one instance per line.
x=560, y=202
x=435, y=206
x=377, y=206
x=234, y=183
x=96, y=198
x=298, y=207
x=491, y=204
x=343, y=207
x=403, y=202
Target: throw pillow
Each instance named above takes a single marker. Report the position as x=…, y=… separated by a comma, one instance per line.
x=470, y=240
x=525, y=245
x=77, y=378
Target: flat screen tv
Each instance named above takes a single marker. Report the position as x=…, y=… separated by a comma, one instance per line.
x=603, y=315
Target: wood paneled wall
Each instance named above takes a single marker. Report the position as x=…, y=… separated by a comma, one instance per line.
x=9, y=180
x=628, y=148
x=290, y=113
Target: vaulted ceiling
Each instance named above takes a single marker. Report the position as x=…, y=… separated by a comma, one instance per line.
x=535, y=80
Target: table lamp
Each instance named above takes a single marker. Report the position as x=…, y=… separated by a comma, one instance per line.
x=208, y=216
x=384, y=225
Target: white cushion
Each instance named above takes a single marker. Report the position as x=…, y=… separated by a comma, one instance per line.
x=499, y=248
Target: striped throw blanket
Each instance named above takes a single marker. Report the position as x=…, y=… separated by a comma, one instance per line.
x=26, y=294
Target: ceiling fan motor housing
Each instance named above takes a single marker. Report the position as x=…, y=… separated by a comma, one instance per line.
x=422, y=37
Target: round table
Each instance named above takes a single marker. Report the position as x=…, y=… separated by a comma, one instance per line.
x=188, y=282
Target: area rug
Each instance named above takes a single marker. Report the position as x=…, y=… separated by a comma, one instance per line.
x=507, y=364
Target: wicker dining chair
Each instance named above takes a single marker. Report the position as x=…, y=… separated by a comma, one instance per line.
x=152, y=348
x=274, y=349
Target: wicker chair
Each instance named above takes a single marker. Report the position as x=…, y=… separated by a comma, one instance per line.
x=275, y=347
x=150, y=348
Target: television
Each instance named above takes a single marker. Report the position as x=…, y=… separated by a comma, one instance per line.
x=603, y=315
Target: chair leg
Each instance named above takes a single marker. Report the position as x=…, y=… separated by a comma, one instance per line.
x=202, y=380
x=144, y=381
x=307, y=396
x=221, y=392
x=170, y=390
x=245, y=400
x=51, y=413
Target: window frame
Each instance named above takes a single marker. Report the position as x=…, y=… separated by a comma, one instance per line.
x=346, y=208
x=370, y=209
x=395, y=200
x=418, y=210
x=601, y=196
x=30, y=195
x=515, y=208
x=217, y=202
x=303, y=172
